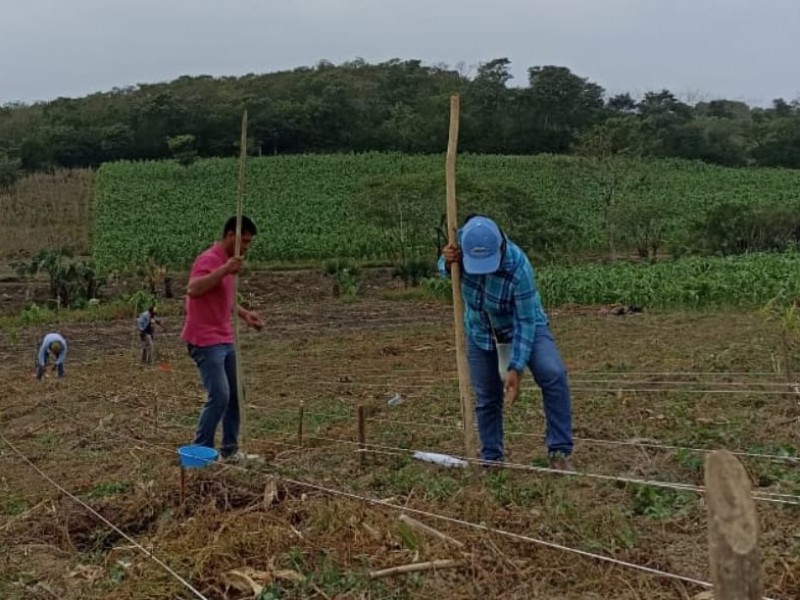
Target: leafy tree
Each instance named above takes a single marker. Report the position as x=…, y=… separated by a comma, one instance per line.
x=489, y=107
x=560, y=105
x=643, y=223
x=182, y=149
x=609, y=150
x=621, y=103
x=780, y=144
x=394, y=105
x=406, y=206
x=10, y=171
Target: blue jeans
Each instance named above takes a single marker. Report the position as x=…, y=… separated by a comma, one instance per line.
x=550, y=375
x=217, y=366
x=40, y=369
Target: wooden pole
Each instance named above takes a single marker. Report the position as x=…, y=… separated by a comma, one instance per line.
x=732, y=529
x=236, y=346
x=300, y=424
x=362, y=434
x=467, y=409
x=183, y=483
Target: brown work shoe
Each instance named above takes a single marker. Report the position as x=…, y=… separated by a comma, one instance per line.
x=240, y=458
x=560, y=462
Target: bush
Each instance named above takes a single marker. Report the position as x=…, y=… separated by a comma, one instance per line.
x=182, y=148
x=438, y=287
x=72, y=283
x=735, y=228
x=36, y=314
x=346, y=277
x=414, y=270
x=643, y=225
x=10, y=171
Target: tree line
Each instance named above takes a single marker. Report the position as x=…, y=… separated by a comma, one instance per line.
x=399, y=105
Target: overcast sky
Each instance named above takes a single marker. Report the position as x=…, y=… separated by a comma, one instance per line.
x=700, y=49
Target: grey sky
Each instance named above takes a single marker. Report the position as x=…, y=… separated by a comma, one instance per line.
x=740, y=49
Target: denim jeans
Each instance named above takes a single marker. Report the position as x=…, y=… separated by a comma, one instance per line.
x=147, y=347
x=40, y=369
x=217, y=366
x=550, y=375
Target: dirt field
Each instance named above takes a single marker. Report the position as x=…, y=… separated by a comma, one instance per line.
x=314, y=521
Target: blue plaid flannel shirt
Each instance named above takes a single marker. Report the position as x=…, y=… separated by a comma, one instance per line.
x=506, y=304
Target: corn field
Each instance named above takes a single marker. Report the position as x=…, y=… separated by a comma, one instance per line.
x=370, y=206
x=695, y=282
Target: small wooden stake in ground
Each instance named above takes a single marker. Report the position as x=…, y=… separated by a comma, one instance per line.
x=732, y=529
x=183, y=483
x=467, y=410
x=300, y=424
x=362, y=435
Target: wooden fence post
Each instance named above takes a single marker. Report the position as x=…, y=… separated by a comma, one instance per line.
x=362, y=434
x=467, y=407
x=155, y=412
x=732, y=529
x=300, y=424
x=237, y=251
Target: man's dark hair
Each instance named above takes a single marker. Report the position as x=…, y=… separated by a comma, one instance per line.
x=247, y=226
x=471, y=216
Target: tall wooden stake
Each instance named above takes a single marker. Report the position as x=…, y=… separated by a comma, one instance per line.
x=467, y=409
x=239, y=211
x=732, y=529
x=300, y=425
x=362, y=434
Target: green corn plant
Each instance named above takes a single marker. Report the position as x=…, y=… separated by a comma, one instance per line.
x=788, y=318
x=326, y=206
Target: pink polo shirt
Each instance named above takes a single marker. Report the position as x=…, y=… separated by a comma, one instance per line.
x=208, y=317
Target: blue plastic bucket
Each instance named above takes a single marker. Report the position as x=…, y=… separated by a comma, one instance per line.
x=196, y=457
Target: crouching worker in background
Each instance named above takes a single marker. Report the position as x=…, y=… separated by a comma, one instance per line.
x=503, y=311
x=55, y=346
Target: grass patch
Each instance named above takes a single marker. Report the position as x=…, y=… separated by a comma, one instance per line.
x=402, y=480
x=112, y=488
x=13, y=507
x=659, y=503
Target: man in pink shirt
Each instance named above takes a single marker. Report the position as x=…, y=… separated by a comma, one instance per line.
x=208, y=333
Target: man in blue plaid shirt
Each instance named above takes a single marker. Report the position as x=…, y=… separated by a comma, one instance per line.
x=502, y=308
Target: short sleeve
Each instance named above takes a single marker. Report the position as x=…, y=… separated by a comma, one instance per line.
x=203, y=265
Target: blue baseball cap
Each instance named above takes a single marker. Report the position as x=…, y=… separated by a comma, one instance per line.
x=481, y=243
